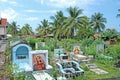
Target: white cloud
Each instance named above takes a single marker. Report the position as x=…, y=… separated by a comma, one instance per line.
x=32, y=11
x=13, y=3
x=67, y=3
x=3, y=0
x=62, y=3
x=40, y=1
x=41, y=11
x=9, y=13
x=31, y=18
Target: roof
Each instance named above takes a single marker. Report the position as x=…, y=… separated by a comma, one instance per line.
x=3, y=22
x=96, y=35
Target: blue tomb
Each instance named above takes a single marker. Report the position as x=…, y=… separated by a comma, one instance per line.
x=20, y=56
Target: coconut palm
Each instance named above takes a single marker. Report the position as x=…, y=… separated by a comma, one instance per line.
x=12, y=28
x=27, y=30
x=44, y=28
x=58, y=22
x=85, y=31
x=73, y=22
x=98, y=22
x=39, y=30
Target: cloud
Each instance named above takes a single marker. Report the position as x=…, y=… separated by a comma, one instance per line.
x=67, y=3
x=40, y=1
x=40, y=11
x=13, y=3
x=31, y=18
x=9, y=13
x=3, y=0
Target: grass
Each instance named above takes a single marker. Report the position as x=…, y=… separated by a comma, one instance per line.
x=102, y=64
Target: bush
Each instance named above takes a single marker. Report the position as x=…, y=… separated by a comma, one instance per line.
x=32, y=42
x=113, y=50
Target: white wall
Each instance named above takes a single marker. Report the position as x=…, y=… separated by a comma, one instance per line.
x=2, y=31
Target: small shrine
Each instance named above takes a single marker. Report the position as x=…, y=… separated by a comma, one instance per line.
x=77, y=54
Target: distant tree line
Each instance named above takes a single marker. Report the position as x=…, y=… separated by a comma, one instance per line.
x=74, y=25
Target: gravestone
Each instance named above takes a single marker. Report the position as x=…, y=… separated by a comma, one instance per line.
x=100, y=48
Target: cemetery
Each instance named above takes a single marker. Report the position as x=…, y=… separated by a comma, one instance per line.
x=41, y=63
x=73, y=47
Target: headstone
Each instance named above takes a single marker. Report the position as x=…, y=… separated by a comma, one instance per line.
x=58, y=52
x=39, y=60
x=100, y=48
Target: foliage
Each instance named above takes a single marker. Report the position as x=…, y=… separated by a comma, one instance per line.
x=58, y=22
x=87, y=42
x=98, y=41
x=43, y=28
x=26, y=30
x=68, y=43
x=12, y=28
x=98, y=22
x=74, y=21
x=91, y=50
x=89, y=45
x=20, y=76
x=114, y=50
x=118, y=38
x=54, y=72
x=108, y=33
x=32, y=42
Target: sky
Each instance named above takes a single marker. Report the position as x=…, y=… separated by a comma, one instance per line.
x=34, y=11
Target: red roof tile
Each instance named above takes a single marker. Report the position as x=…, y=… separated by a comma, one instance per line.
x=3, y=22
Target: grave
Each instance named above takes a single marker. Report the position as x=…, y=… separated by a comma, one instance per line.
x=20, y=56
x=77, y=54
x=24, y=59
x=100, y=48
x=94, y=68
x=39, y=60
x=69, y=69
x=42, y=75
x=59, y=54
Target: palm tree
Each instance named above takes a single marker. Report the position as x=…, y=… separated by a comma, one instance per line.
x=86, y=31
x=39, y=30
x=12, y=29
x=44, y=28
x=58, y=22
x=26, y=30
x=98, y=22
x=73, y=22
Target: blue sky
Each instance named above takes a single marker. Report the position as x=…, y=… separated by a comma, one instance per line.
x=34, y=11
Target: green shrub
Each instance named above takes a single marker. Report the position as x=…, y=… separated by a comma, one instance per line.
x=118, y=38
x=113, y=50
x=32, y=42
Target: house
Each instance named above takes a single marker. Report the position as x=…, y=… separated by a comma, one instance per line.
x=3, y=24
